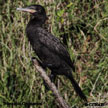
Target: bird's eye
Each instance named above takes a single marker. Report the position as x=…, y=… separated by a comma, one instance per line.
x=39, y=10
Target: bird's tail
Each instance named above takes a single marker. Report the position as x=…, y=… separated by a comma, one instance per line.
x=77, y=88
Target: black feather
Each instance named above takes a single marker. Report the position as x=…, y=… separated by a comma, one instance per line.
x=52, y=53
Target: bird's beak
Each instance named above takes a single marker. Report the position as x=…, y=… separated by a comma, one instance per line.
x=26, y=10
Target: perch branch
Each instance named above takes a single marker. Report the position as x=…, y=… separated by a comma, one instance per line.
x=51, y=85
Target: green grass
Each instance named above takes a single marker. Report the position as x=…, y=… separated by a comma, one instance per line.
x=85, y=25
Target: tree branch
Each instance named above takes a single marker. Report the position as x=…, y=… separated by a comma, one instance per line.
x=51, y=85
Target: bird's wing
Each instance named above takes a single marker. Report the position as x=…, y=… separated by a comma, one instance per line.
x=54, y=45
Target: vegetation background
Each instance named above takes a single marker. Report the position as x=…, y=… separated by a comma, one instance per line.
x=80, y=24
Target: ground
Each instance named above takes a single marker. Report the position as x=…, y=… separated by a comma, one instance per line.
x=82, y=25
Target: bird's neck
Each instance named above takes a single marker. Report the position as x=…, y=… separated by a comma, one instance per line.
x=37, y=22
x=33, y=24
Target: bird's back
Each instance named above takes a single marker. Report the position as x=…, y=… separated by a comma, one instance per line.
x=48, y=47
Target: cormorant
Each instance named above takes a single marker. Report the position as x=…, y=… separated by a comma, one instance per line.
x=52, y=53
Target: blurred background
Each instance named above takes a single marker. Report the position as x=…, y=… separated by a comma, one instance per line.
x=82, y=25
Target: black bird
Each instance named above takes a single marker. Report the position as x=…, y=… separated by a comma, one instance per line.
x=52, y=53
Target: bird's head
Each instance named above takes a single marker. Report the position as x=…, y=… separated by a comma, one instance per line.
x=37, y=11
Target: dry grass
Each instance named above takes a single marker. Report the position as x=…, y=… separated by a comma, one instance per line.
x=82, y=25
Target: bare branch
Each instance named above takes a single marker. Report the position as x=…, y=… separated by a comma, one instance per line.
x=51, y=85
